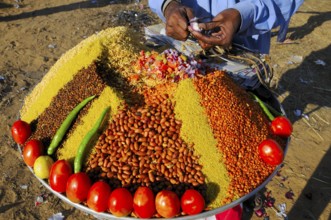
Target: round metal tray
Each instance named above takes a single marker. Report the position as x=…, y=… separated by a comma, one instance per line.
x=272, y=101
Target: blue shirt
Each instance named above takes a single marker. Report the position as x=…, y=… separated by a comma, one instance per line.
x=258, y=18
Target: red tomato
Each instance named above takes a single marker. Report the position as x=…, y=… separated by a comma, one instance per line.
x=120, y=202
x=98, y=195
x=192, y=202
x=32, y=150
x=78, y=186
x=60, y=172
x=270, y=152
x=281, y=126
x=144, y=202
x=20, y=131
x=167, y=204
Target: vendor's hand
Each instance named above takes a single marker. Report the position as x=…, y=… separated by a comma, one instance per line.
x=223, y=27
x=177, y=17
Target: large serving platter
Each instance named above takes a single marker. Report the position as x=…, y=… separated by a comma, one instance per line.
x=272, y=100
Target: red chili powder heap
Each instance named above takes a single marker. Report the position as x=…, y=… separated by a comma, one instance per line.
x=239, y=125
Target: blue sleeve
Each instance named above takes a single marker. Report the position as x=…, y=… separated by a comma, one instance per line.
x=155, y=6
x=260, y=16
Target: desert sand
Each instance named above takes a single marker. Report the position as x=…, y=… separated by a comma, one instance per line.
x=34, y=34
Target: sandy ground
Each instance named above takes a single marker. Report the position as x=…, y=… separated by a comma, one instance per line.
x=34, y=34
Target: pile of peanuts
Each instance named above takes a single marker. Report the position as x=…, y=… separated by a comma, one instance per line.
x=142, y=147
x=239, y=126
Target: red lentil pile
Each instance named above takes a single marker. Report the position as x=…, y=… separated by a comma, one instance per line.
x=85, y=83
x=239, y=125
x=142, y=147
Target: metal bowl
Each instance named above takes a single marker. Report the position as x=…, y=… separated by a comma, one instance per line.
x=272, y=100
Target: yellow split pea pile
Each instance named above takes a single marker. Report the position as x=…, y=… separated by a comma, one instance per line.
x=200, y=133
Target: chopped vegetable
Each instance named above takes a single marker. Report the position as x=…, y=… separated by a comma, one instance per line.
x=65, y=126
x=81, y=149
x=169, y=65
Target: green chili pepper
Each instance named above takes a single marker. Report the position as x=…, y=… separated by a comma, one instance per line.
x=65, y=126
x=272, y=110
x=264, y=107
x=82, y=147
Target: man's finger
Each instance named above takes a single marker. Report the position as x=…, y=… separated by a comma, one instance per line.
x=182, y=23
x=204, y=46
x=189, y=13
x=212, y=40
x=208, y=25
x=221, y=35
x=176, y=33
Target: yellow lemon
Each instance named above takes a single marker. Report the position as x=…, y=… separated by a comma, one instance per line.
x=42, y=166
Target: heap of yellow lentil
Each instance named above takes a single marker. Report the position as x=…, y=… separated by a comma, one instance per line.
x=197, y=130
